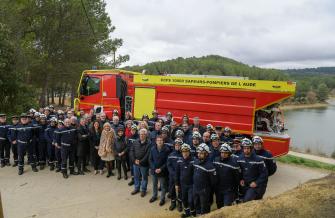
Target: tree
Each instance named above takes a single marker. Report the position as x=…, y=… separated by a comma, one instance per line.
x=57, y=39
x=311, y=97
x=15, y=95
x=322, y=92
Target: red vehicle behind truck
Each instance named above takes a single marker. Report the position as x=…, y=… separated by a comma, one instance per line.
x=247, y=106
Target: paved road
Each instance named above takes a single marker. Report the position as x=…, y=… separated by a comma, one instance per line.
x=47, y=194
x=313, y=157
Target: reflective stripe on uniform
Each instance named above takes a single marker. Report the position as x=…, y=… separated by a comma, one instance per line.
x=22, y=142
x=226, y=165
x=203, y=168
x=173, y=157
x=254, y=162
x=65, y=144
x=70, y=130
x=268, y=158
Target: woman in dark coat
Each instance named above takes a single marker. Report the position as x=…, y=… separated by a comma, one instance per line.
x=95, y=134
x=83, y=146
x=120, y=151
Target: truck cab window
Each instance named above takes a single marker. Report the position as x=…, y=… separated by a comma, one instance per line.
x=90, y=86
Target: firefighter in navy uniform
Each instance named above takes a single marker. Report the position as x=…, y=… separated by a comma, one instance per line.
x=165, y=133
x=236, y=147
x=10, y=136
x=204, y=177
x=215, y=147
x=184, y=180
x=82, y=146
x=23, y=137
x=58, y=156
x=42, y=143
x=4, y=142
x=60, y=115
x=173, y=157
x=196, y=140
x=226, y=136
x=254, y=175
x=66, y=140
x=49, y=136
x=269, y=161
x=228, y=177
x=34, y=121
x=154, y=118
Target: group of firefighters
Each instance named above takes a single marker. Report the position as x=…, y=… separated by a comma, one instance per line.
x=188, y=162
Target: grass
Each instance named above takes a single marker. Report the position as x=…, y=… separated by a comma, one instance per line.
x=290, y=159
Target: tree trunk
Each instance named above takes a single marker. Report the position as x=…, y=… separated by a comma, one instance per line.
x=73, y=92
x=48, y=95
x=64, y=95
x=42, y=100
x=60, y=95
x=42, y=97
x=52, y=95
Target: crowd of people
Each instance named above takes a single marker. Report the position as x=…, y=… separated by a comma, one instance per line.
x=187, y=162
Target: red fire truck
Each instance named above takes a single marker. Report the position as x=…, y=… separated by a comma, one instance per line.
x=247, y=106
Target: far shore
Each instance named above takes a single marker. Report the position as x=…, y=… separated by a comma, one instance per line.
x=303, y=106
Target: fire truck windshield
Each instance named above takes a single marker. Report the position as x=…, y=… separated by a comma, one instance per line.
x=90, y=86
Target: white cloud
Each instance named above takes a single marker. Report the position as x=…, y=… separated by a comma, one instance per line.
x=267, y=33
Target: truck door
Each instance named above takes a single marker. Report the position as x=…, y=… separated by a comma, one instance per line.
x=144, y=102
x=90, y=92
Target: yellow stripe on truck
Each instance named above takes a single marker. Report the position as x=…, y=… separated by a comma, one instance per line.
x=230, y=83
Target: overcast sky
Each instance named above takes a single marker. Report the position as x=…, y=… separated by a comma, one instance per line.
x=266, y=33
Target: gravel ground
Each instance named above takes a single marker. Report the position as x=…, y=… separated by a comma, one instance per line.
x=47, y=194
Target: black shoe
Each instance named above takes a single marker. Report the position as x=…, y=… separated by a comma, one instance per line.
x=134, y=192
x=58, y=170
x=131, y=182
x=72, y=172
x=126, y=177
x=2, y=165
x=35, y=169
x=20, y=172
x=118, y=177
x=41, y=166
x=162, y=202
x=173, y=205
x=153, y=199
x=15, y=164
x=86, y=170
x=143, y=194
x=179, y=206
x=65, y=176
x=108, y=175
x=185, y=215
x=52, y=167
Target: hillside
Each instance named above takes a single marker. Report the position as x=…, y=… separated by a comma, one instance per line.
x=313, y=84
x=209, y=65
x=312, y=71
x=312, y=199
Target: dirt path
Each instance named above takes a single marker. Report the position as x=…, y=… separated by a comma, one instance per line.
x=47, y=194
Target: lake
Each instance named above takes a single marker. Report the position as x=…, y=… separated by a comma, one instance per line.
x=312, y=129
